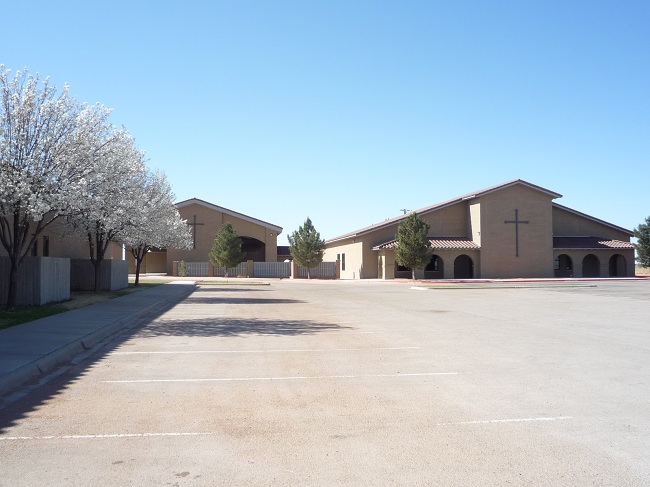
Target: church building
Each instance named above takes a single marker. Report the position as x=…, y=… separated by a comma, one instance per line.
x=512, y=230
x=259, y=238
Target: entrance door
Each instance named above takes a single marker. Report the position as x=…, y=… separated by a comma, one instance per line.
x=463, y=267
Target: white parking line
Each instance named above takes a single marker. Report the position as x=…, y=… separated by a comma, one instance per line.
x=92, y=437
x=513, y=420
x=296, y=350
x=313, y=377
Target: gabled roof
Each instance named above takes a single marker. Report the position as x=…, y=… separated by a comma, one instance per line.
x=438, y=243
x=196, y=201
x=589, y=243
x=594, y=219
x=445, y=204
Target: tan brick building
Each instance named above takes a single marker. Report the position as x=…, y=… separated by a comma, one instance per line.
x=259, y=238
x=513, y=230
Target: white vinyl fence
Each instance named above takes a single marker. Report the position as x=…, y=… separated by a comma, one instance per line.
x=282, y=270
x=240, y=270
x=272, y=269
x=322, y=270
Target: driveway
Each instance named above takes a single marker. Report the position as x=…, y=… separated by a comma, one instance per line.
x=353, y=383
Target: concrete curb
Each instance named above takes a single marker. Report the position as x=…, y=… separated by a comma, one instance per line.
x=64, y=355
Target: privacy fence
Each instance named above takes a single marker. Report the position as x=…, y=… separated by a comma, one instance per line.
x=113, y=275
x=41, y=280
x=325, y=270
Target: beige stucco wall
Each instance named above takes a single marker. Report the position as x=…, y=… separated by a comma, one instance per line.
x=66, y=244
x=566, y=223
x=212, y=222
x=364, y=263
x=355, y=268
x=498, y=239
x=474, y=231
x=153, y=262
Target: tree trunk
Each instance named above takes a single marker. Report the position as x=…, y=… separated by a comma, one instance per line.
x=413, y=273
x=97, y=264
x=138, y=256
x=12, y=296
x=138, y=262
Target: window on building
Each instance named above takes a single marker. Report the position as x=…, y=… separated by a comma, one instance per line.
x=342, y=262
x=46, y=246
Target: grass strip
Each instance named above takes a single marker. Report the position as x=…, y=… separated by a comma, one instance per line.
x=78, y=299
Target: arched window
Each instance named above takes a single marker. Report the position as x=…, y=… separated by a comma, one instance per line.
x=434, y=269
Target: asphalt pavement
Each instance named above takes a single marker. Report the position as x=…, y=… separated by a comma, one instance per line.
x=32, y=350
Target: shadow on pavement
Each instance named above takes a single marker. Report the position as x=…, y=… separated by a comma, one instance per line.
x=32, y=399
x=230, y=327
x=231, y=300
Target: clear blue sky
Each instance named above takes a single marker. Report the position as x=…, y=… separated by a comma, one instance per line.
x=348, y=111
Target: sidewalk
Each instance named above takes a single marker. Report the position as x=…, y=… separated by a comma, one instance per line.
x=33, y=349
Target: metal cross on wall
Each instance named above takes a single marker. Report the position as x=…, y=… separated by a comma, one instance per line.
x=193, y=225
x=517, y=221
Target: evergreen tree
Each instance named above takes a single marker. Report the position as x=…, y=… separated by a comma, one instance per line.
x=226, y=250
x=642, y=234
x=306, y=246
x=413, y=243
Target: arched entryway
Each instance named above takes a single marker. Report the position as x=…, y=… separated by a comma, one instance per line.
x=590, y=266
x=463, y=267
x=617, y=266
x=255, y=249
x=563, y=266
x=435, y=268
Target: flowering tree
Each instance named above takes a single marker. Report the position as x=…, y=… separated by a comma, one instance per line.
x=44, y=160
x=159, y=225
x=107, y=208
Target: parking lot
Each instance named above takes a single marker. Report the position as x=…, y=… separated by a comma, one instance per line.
x=354, y=383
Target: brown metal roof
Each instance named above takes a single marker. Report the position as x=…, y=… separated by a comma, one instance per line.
x=589, y=243
x=438, y=243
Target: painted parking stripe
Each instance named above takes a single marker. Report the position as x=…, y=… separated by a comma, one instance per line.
x=92, y=437
x=299, y=377
x=512, y=420
x=296, y=350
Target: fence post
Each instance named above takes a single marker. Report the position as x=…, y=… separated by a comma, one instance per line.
x=338, y=269
x=294, y=270
x=250, y=272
